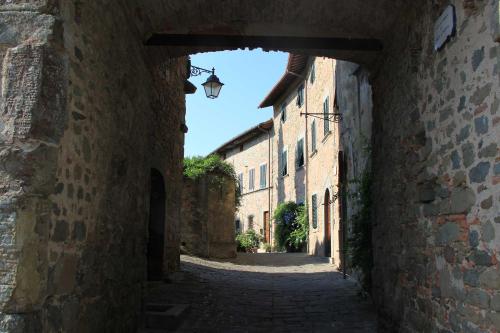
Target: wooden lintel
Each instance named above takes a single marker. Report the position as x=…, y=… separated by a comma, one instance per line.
x=266, y=42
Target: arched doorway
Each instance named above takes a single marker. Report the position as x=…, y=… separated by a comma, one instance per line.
x=327, y=232
x=156, y=226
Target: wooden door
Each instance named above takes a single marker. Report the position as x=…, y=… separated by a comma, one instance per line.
x=267, y=228
x=156, y=244
x=327, y=231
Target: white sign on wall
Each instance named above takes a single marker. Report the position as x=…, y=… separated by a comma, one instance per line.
x=445, y=27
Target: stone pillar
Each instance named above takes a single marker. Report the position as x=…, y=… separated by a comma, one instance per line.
x=32, y=118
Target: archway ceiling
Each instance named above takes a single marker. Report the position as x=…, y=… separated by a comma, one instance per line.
x=368, y=20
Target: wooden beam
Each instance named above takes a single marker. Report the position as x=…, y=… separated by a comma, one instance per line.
x=266, y=42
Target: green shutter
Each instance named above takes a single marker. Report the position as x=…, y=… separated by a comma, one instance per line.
x=326, y=117
x=314, y=206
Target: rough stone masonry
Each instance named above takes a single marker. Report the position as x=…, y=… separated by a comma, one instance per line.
x=86, y=114
x=88, y=111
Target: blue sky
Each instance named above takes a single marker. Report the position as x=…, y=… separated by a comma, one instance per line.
x=248, y=76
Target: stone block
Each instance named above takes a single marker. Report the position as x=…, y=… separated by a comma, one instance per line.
x=490, y=278
x=478, y=173
x=495, y=302
x=447, y=233
x=479, y=298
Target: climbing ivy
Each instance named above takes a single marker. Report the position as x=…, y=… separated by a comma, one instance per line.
x=198, y=166
x=360, y=242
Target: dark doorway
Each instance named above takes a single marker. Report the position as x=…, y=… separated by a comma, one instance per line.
x=343, y=207
x=328, y=233
x=156, y=226
x=267, y=228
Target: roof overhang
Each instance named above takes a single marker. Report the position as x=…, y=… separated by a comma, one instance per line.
x=245, y=137
x=297, y=64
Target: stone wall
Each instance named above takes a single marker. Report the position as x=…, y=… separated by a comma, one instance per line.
x=436, y=172
x=208, y=210
x=33, y=116
x=354, y=96
x=86, y=114
x=322, y=162
x=253, y=203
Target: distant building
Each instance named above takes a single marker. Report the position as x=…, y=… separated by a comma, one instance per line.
x=251, y=155
x=307, y=147
x=293, y=156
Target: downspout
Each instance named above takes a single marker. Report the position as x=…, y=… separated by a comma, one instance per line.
x=269, y=180
x=306, y=167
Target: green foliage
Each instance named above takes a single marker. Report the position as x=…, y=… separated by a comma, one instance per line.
x=291, y=226
x=197, y=166
x=267, y=247
x=299, y=236
x=360, y=243
x=248, y=240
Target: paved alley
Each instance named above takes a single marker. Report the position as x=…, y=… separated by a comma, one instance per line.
x=265, y=293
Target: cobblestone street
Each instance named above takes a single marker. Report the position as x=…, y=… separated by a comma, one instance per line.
x=266, y=293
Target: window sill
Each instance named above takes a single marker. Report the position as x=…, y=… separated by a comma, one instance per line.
x=299, y=168
x=314, y=153
x=327, y=135
x=284, y=176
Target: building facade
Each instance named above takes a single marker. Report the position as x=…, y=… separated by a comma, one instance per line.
x=307, y=145
x=293, y=156
x=251, y=154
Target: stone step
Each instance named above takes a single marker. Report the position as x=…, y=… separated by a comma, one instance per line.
x=164, y=316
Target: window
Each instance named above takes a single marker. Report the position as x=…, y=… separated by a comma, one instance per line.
x=240, y=182
x=300, y=95
x=326, y=117
x=251, y=180
x=237, y=225
x=283, y=113
x=313, y=136
x=314, y=207
x=284, y=163
x=299, y=155
x=312, y=77
x=263, y=176
x=250, y=222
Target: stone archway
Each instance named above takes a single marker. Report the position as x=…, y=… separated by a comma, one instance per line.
x=82, y=110
x=156, y=229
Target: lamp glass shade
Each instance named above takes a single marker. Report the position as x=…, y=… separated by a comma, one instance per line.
x=212, y=86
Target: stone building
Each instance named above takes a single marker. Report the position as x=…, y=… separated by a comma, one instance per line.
x=208, y=208
x=307, y=146
x=92, y=98
x=251, y=154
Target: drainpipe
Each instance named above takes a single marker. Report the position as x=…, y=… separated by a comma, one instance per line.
x=306, y=143
x=306, y=150
x=269, y=181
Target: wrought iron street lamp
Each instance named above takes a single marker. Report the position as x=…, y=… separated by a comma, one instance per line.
x=212, y=85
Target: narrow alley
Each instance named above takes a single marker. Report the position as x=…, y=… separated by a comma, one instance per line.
x=276, y=292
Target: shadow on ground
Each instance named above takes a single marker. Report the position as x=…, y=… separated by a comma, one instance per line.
x=265, y=292
x=274, y=259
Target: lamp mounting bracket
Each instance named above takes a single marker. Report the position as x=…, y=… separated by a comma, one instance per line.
x=331, y=117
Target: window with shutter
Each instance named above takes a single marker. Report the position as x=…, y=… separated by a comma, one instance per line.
x=300, y=95
x=314, y=207
x=326, y=117
x=263, y=176
x=251, y=180
x=300, y=153
x=284, y=163
x=312, y=78
x=283, y=113
x=240, y=182
x=313, y=136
